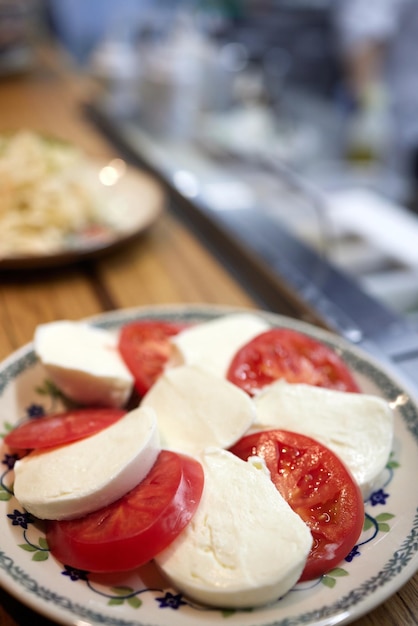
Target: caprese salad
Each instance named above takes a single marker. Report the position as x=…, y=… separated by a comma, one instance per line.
x=241, y=469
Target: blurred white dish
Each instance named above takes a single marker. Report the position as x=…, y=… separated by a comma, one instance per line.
x=127, y=201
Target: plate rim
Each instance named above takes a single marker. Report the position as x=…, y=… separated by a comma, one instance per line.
x=114, y=319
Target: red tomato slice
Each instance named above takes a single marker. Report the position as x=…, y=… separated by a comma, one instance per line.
x=62, y=428
x=289, y=354
x=317, y=486
x=131, y=531
x=145, y=348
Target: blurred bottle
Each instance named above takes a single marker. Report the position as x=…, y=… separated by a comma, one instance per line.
x=18, y=31
x=368, y=127
x=176, y=79
x=117, y=64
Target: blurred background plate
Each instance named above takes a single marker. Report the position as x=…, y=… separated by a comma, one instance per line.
x=133, y=199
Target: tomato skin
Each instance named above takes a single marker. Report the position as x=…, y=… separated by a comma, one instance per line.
x=131, y=531
x=289, y=354
x=145, y=348
x=317, y=486
x=62, y=428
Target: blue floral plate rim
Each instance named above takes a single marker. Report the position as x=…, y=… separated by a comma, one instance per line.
x=363, y=582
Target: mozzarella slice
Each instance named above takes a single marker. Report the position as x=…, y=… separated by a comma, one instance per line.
x=196, y=409
x=72, y=480
x=357, y=427
x=84, y=363
x=211, y=345
x=244, y=546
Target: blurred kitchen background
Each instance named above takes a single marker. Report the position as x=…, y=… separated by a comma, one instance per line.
x=255, y=102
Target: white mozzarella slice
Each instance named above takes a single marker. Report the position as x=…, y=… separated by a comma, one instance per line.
x=72, y=480
x=357, y=427
x=84, y=363
x=245, y=546
x=196, y=409
x=211, y=345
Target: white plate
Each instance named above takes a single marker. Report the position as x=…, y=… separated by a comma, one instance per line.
x=387, y=555
x=134, y=198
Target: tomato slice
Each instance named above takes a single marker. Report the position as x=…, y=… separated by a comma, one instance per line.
x=289, y=354
x=131, y=531
x=317, y=486
x=62, y=428
x=145, y=348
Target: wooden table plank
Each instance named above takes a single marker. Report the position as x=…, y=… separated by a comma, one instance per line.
x=169, y=265
x=39, y=297
x=49, y=99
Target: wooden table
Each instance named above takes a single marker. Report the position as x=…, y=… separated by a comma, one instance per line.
x=167, y=264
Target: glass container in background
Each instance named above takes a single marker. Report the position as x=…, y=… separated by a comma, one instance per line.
x=116, y=63
x=18, y=32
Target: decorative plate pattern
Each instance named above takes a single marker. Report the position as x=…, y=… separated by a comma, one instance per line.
x=384, y=559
